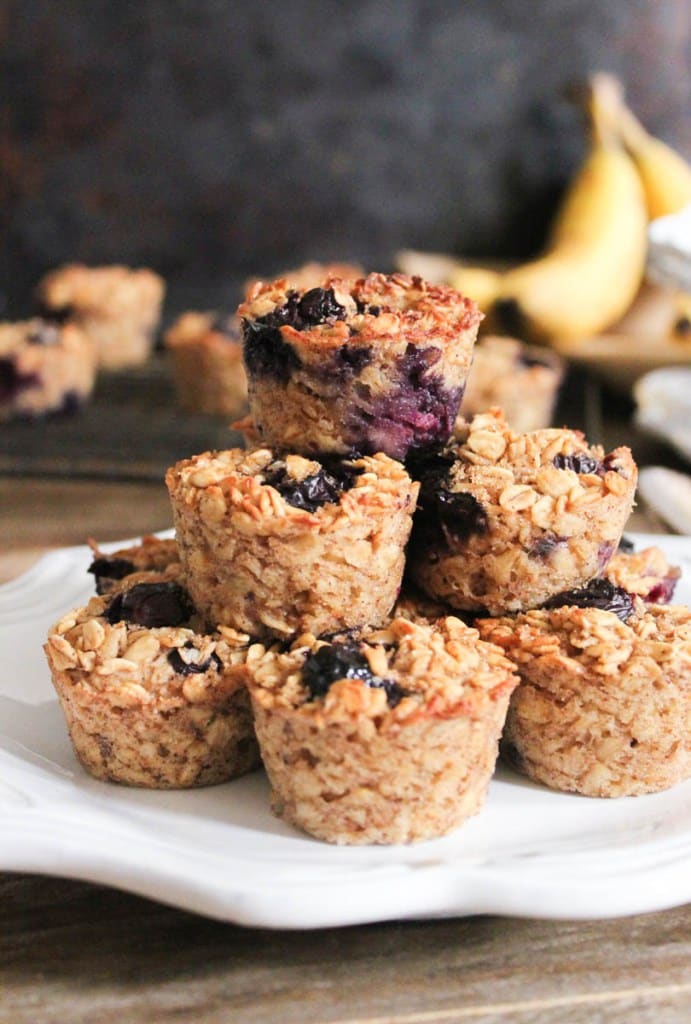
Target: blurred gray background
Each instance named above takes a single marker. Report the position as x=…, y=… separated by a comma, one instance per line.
x=216, y=140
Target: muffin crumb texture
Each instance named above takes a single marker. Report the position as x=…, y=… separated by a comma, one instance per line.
x=603, y=706
x=400, y=749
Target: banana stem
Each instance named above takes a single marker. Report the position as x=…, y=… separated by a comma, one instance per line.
x=604, y=104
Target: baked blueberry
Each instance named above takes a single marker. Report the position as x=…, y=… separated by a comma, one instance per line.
x=151, y=605
x=598, y=593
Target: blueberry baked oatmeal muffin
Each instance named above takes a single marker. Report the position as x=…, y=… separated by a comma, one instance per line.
x=603, y=704
x=373, y=365
x=206, y=357
x=151, y=699
x=506, y=520
x=276, y=545
x=385, y=737
x=44, y=368
x=151, y=553
x=523, y=380
x=119, y=308
x=646, y=574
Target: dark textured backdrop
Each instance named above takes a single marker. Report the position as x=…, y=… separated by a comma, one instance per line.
x=213, y=140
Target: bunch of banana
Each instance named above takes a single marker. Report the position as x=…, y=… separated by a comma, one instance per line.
x=665, y=174
x=594, y=261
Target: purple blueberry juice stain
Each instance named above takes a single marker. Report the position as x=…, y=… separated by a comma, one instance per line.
x=408, y=419
x=547, y=545
x=663, y=591
x=345, y=660
x=604, y=554
x=152, y=605
x=350, y=360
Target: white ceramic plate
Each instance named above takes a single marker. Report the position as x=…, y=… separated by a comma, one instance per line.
x=663, y=406
x=220, y=852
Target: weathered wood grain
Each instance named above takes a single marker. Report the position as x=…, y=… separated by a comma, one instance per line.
x=80, y=953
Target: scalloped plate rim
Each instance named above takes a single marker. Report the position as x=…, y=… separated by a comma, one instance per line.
x=137, y=846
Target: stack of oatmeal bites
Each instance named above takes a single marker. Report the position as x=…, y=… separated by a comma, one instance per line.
x=313, y=611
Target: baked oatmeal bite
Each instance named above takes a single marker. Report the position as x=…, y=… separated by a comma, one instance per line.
x=151, y=699
x=506, y=520
x=206, y=357
x=522, y=380
x=386, y=736
x=274, y=545
x=378, y=364
x=603, y=704
x=118, y=308
x=45, y=368
x=150, y=554
x=646, y=574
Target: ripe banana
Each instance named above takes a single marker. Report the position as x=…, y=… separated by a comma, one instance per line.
x=665, y=174
x=594, y=262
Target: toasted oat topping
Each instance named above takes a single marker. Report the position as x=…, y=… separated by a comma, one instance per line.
x=129, y=664
x=377, y=305
x=437, y=670
x=238, y=482
x=596, y=640
x=99, y=290
x=534, y=474
x=646, y=573
x=151, y=554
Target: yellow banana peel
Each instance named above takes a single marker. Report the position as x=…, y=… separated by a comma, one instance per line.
x=665, y=174
x=594, y=263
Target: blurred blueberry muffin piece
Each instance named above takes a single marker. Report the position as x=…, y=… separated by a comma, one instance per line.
x=44, y=368
x=522, y=380
x=117, y=307
x=206, y=355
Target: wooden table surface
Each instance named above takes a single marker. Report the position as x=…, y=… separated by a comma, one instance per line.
x=71, y=952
